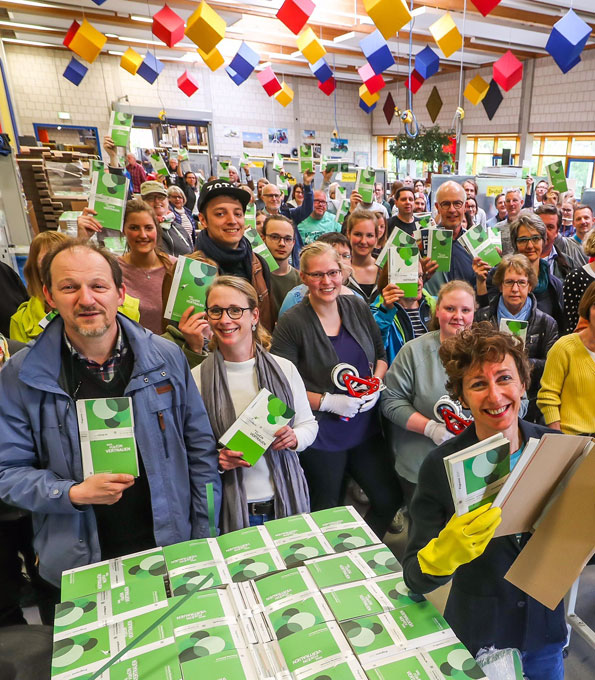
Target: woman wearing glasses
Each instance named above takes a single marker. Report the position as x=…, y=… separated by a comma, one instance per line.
x=231, y=376
x=515, y=279
x=324, y=330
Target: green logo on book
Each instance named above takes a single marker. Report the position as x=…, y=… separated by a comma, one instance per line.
x=406, y=255
x=277, y=409
x=112, y=182
x=152, y=565
x=112, y=413
x=516, y=327
x=201, y=643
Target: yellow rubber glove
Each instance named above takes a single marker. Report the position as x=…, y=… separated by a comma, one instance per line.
x=462, y=540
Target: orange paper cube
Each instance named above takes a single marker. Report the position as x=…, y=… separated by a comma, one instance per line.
x=87, y=42
x=389, y=15
x=131, y=60
x=309, y=45
x=214, y=59
x=476, y=90
x=285, y=94
x=446, y=34
x=205, y=27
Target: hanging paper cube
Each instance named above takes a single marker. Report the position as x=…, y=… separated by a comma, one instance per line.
x=373, y=82
x=309, y=45
x=485, y=6
x=491, y=102
x=285, y=94
x=75, y=71
x=168, y=26
x=367, y=96
x=295, y=13
x=99, y=2
x=150, y=68
x=131, y=61
x=508, y=71
x=365, y=107
x=187, y=84
x=269, y=81
x=434, y=104
x=389, y=109
x=567, y=40
x=74, y=27
x=214, y=59
x=321, y=70
x=245, y=61
x=236, y=77
x=205, y=27
x=87, y=42
x=476, y=90
x=328, y=87
x=389, y=15
x=446, y=34
x=414, y=82
x=427, y=62
x=377, y=52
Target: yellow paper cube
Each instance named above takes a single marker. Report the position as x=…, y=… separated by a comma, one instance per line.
x=214, y=59
x=476, y=90
x=205, y=27
x=389, y=15
x=309, y=45
x=446, y=34
x=285, y=94
x=369, y=98
x=131, y=60
x=87, y=42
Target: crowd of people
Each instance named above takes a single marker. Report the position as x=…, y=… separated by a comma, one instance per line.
x=327, y=305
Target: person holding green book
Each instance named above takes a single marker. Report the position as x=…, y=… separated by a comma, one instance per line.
x=488, y=372
x=229, y=379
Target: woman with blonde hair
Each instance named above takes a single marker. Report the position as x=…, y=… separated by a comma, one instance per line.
x=363, y=233
x=238, y=367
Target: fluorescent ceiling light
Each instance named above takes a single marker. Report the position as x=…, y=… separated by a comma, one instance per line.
x=111, y=35
x=115, y=53
x=264, y=65
x=144, y=20
x=32, y=3
x=34, y=43
x=344, y=37
x=14, y=24
x=144, y=41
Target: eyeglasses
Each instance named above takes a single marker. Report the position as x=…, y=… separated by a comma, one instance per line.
x=233, y=312
x=345, y=256
x=271, y=195
x=445, y=205
x=318, y=276
x=523, y=240
x=511, y=283
x=320, y=200
x=277, y=238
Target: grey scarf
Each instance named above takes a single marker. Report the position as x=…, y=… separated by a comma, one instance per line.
x=291, y=490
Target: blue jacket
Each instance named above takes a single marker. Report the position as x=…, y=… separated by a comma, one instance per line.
x=40, y=457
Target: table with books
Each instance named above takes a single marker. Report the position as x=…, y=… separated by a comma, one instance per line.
x=309, y=597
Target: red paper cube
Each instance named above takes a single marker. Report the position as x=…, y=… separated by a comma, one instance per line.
x=269, y=81
x=414, y=82
x=168, y=26
x=373, y=82
x=74, y=27
x=295, y=13
x=508, y=71
x=328, y=87
x=485, y=6
x=187, y=84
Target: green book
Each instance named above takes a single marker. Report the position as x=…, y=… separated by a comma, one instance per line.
x=440, y=248
x=292, y=616
x=250, y=218
x=208, y=641
x=244, y=542
x=403, y=269
x=516, y=327
x=343, y=210
x=348, y=537
x=347, y=669
x=182, y=154
x=335, y=570
x=201, y=610
x=295, y=551
x=335, y=517
x=380, y=559
x=354, y=600
x=317, y=646
x=397, y=239
x=186, y=579
x=106, y=432
x=364, y=184
x=260, y=247
x=278, y=162
x=52, y=314
x=420, y=624
x=254, y=431
x=373, y=638
x=236, y=664
x=108, y=197
x=408, y=666
x=115, y=244
x=190, y=553
x=395, y=588
x=557, y=176
x=306, y=157
x=245, y=568
x=284, y=586
x=189, y=287
x=158, y=663
x=452, y=659
x=423, y=220
x=159, y=164
x=223, y=169
x=245, y=161
x=290, y=527
x=478, y=242
x=120, y=127
x=96, y=166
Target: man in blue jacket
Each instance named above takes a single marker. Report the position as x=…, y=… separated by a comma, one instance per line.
x=91, y=351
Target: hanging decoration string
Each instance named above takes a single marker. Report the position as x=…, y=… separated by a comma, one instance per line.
x=411, y=127
x=459, y=113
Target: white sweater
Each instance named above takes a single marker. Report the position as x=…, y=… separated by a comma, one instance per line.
x=243, y=387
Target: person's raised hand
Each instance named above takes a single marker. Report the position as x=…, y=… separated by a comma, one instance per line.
x=112, y=152
x=285, y=438
x=429, y=267
x=529, y=182
x=391, y=294
x=101, y=489
x=228, y=460
x=193, y=327
x=328, y=175
x=86, y=224
x=354, y=200
x=481, y=269
x=308, y=177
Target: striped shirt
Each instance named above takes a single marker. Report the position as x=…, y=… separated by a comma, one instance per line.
x=418, y=327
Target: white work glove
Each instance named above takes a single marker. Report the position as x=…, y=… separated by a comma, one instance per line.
x=369, y=401
x=437, y=432
x=341, y=404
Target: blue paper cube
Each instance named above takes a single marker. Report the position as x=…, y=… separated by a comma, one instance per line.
x=236, y=77
x=377, y=52
x=75, y=71
x=427, y=62
x=321, y=70
x=150, y=68
x=567, y=40
x=245, y=61
x=99, y=2
x=364, y=107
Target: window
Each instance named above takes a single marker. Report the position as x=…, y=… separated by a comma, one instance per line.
x=577, y=152
x=487, y=151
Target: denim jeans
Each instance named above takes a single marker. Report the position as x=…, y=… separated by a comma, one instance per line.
x=545, y=663
x=257, y=520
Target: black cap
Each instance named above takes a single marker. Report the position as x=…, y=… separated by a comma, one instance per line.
x=221, y=187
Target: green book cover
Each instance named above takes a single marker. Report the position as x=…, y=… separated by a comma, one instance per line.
x=244, y=541
x=306, y=157
x=453, y=660
x=233, y=664
x=106, y=432
x=246, y=568
x=403, y=269
x=245, y=161
x=52, y=314
x=420, y=623
x=440, y=248
x=296, y=615
x=250, y=219
x=294, y=551
x=278, y=162
x=409, y=667
x=333, y=517
x=321, y=643
x=347, y=537
x=335, y=570
x=380, y=559
x=120, y=127
x=355, y=600
x=160, y=663
x=372, y=638
x=96, y=166
x=397, y=239
x=290, y=527
x=348, y=669
x=182, y=155
x=395, y=588
x=423, y=220
x=183, y=581
x=557, y=176
x=223, y=170
x=516, y=327
x=260, y=248
x=254, y=430
x=364, y=184
x=201, y=608
x=189, y=287
x=284, y=586
x=159, y=164
x=480, y=244
x=115, y=244
x=108, y=197
x=343, y=210
x=214, y=639
x=190, y=553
